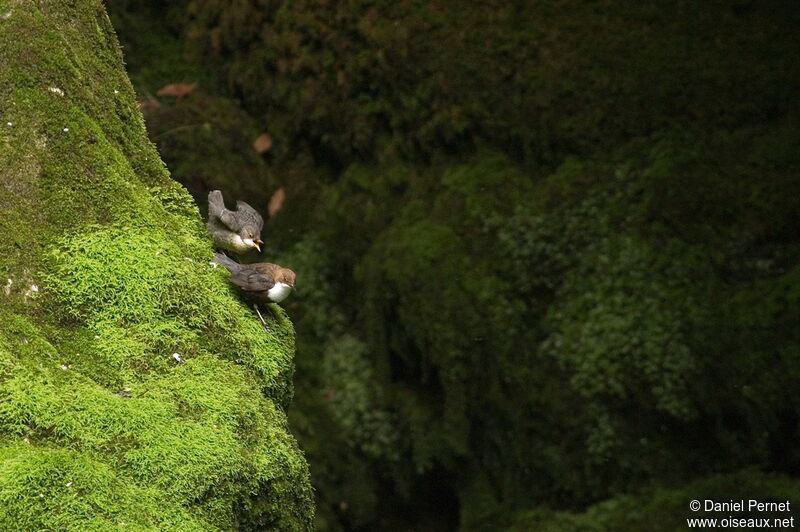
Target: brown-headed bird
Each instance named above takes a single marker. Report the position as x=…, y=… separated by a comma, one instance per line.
x=261, y=282
x=238, y=231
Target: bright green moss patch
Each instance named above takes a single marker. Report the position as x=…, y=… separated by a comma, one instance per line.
x=136, y=391
x=190, y=433
x=146, y=294
x=50, y=488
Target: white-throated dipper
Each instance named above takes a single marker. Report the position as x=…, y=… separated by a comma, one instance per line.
x=238, y=231
x=261, y=282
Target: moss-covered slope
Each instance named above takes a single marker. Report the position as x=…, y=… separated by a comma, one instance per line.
x=105, y=270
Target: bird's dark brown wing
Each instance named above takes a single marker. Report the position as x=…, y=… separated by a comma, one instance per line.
x=252, y=280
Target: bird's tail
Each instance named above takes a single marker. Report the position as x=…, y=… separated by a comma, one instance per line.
x=215, y=203
x=226, y=261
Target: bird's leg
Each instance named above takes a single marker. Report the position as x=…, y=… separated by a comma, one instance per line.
x=260, y=317
x=272, y=312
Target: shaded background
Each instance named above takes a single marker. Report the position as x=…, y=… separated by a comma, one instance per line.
x=547, y=253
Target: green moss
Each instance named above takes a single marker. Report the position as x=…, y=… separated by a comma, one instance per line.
x=101, y=427
x=52, y=488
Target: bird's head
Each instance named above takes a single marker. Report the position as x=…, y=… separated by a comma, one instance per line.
x=285, y=275
x=251, y=238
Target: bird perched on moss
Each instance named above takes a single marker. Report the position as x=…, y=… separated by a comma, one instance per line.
x=261, y=282
x=238, y=231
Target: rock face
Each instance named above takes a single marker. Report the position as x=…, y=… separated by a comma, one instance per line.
x=135, y=390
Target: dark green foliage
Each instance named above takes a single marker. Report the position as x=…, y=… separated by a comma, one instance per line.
x=663, y=509
x=362, y=77
x=615, y=329
x=208, y=142
x=353, y=393
x=547, y=254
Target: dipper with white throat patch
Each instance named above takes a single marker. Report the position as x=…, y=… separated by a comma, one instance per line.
x=238, y=231
x=261, y=282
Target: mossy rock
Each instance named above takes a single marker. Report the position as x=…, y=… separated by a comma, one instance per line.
x=136, y=391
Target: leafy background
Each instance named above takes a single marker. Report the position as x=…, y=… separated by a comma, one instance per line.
x=547, y=253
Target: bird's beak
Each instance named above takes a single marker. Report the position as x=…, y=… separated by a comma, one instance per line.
x=255, y=245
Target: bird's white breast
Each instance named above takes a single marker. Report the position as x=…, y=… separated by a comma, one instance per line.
x=236, y=243
x=279, y=292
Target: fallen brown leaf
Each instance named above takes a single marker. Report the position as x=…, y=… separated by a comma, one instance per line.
x=262, y=143
x=177, y=89
x=276, y=202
